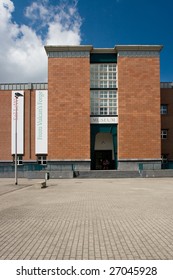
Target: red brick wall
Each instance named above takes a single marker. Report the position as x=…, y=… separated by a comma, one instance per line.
x=69, y=108
x=167, y=122
x=139, y=108
x=5, y=125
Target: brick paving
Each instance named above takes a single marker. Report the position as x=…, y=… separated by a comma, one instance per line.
x=87, y=219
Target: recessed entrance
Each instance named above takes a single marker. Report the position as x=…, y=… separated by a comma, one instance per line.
x=103, y=160
x=103, y=146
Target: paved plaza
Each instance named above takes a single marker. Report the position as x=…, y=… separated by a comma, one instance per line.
x=87, y=219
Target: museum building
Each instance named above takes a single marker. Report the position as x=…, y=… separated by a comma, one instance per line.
x=99, y=105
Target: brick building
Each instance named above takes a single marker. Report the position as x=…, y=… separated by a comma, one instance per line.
x=98, y=105
x=167, y=124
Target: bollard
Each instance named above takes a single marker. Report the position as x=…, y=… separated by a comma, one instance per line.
x=47, y=177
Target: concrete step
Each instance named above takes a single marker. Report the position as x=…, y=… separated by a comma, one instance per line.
x=106, y=174
x=157, y=173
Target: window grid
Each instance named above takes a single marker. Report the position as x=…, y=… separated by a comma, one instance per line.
x=104, y=102
x=19, y=159
x=42, y=160
x=164, y=158
x=103, y=75
x=164, y=109
x=164, y=134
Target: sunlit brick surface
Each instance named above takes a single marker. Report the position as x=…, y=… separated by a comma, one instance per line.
x=69, y=108
x=139, y=108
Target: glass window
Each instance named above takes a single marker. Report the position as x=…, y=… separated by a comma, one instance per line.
x=164, y=109
x=164, y=134
x=164, y=158
x=42, y=159
x=104, y=102
x=103, y=75
x=19, y=159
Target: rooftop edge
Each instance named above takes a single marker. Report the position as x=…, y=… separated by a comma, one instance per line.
x=138, y=47
x=90, y=48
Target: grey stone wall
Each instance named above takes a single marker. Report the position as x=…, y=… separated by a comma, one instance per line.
x=139, y=165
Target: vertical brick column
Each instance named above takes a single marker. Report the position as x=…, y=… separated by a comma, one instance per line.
x=5, y=125
x=139, y=108
x=69, y=108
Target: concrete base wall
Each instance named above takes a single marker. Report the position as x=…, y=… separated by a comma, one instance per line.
x=52, y=175
x=68, y=165
x=56, y=169
x=39, y=174
x=139, y=165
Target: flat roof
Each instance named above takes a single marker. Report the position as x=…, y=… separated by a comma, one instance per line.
x=138, y=48
x=68, y=48
x=91, y=49
x=103, y=50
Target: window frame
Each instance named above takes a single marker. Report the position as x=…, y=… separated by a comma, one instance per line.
x=103, y=75
x=164, y=134
x=42, y=159
x=164, y=158
x=104, y=102
x=164, y=109
x=19, y=159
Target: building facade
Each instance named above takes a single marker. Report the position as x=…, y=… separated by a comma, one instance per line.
x=166, y=124
x=99, y=105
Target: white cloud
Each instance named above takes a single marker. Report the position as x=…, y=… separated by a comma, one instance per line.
x=22, y=54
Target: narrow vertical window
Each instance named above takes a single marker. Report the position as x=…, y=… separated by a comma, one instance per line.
x=164, y=109
x=164, y=133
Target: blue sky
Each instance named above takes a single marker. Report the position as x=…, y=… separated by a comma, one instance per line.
x=101, y=23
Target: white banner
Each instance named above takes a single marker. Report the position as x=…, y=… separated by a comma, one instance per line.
x=20, y=122
x=41, y=122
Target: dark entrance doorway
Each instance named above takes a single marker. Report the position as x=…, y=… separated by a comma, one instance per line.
x=100, y=157
x=110, y=151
